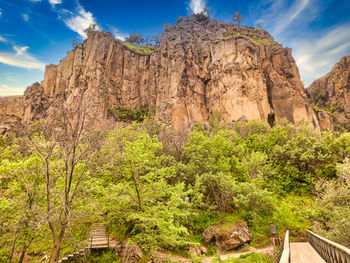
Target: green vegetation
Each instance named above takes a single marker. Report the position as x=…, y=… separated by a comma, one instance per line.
x=249, y=258
x=256, y=37
x=143, y=50
x=127, y=115
x=161, y=189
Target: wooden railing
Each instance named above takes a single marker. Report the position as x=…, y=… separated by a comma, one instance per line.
x=330, y=251
x=286, y=251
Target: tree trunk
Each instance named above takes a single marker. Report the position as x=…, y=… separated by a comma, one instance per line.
x=24, y=250
x=13, y=247
x=57, y=245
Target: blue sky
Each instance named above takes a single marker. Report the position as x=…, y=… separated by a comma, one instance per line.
x=38, y=32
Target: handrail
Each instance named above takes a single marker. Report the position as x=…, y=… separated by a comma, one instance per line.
x=330, y=251
x=285, y=253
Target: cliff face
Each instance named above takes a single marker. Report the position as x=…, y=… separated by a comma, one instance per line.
x=11, y=113
x=200, y=68
x=331, y=93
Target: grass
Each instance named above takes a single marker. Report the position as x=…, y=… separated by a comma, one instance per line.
x=142, y=50
x=254, y=36
x=249, y=258
x=105, y=257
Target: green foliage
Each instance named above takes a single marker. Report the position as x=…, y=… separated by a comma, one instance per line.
x=250, y=258
x=143, y=50
x=128, y=115
x=135, y=38
x=161, y=189
x=104, y=257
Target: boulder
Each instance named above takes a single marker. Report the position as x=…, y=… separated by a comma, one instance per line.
x=129, y=252
x=228, y=237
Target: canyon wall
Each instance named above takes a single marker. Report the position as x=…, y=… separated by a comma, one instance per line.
x=331, y=93
x=200, y=68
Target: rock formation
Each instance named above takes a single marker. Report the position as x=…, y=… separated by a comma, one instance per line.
x=11, y=112
x=331, y=94
x=228, y=238
x=200, y=68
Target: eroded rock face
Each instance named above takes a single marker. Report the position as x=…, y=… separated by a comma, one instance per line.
x=11, y=113
x=200, y=68
x=332, y=92
x=228, y=238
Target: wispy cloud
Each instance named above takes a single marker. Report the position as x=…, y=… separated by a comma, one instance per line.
x=21, y=58
x=79, y=20
x=116, y=33
x=316, y=56
x=25, y=17
x=291, y=15
x=197, y=6
x=3, y=40
x=281, y=15
x=0, y=12
x=10, y=91
x=55, y=2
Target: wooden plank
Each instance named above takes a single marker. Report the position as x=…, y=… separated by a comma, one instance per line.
x=303, y=252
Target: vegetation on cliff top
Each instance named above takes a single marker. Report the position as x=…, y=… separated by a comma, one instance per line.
x=143, y=50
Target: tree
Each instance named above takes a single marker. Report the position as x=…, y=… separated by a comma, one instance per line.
x=135, y=38
x=259, y=27
x=91, y=28
x=21, y=203
x=139, y=188
x=237, y=17
x=156, y=39
x=203, y=15
x=74, y=43
x=65, y=152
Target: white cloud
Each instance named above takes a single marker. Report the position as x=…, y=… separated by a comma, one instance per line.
x=35, y=1
x=0, y=12
x=55, y=2
x=25, y=17
x=3, y=40
x=293, y=13
x=20, y=58
x=315, y=56
x=79, y=20
x=10, y=91
x=197, y=6
x=280, y=16
x=116, y=33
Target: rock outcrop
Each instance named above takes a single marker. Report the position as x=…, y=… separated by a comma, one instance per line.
x=129, y=253
x=228, y=237
x=11, y=113
x=200, y=68
x=331, y=94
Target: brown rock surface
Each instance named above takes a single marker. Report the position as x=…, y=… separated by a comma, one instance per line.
x=332, y=92
x=200, y=68
x=129, y=253
x=11, y=113
x=228, y=238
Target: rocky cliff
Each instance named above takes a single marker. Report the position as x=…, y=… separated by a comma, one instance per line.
x=200, y=68
x=11, y=113
x=330, y=94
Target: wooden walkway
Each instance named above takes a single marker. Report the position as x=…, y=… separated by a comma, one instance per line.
x=98, y=240
x=303, y=252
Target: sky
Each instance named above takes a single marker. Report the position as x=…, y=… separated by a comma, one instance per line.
x=34, y=33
